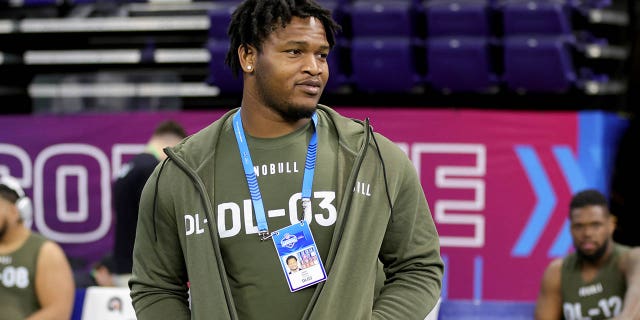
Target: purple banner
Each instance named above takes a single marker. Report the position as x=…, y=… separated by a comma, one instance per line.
x=67, y=165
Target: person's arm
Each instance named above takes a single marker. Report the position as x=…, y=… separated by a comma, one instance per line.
x=549, y=303
x=410, y=253
x=158, y=283
x=631, y=268
x=54, y=284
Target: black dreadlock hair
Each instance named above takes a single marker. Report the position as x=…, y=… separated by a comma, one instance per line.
x=254, y=20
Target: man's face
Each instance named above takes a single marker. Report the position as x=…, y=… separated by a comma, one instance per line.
x=291, y=70
x=591, y=229
x=293, y=264
x=7, y=215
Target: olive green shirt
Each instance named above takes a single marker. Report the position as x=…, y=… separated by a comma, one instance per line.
x=18, y=298
x=600, y=298
x=253, y=266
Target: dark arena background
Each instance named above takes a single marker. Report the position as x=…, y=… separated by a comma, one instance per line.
x=505, y=107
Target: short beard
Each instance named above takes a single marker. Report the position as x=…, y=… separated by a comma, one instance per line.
x=286, y=110
x=293, y=114
x=593, y=258
x=3, y=230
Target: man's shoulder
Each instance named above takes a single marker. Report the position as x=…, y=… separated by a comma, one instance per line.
x=199, y=145
x=205, y=134
x=555, y=265
x=352, y=131
x=36, y=244
x=342, y=123
x=629, y=257
x=37, y=238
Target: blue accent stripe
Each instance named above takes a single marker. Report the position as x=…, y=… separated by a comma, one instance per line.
x=576, y=181
x=562, y=243
x=477, y=279
x=599, y=133
x=571, y=168
x=590, y=138
x=544, y=207
x=310, y=161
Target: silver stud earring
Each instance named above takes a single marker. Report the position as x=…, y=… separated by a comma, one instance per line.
x=248, y=67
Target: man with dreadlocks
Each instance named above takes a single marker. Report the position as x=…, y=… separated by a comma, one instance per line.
x=283, y=176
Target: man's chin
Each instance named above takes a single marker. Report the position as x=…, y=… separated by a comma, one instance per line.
x=592, y=256
x=300, y=112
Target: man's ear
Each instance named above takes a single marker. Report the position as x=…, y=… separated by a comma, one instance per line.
x=613, y=222
x=248, y=56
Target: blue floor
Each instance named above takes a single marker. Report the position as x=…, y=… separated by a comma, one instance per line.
x=486, y=310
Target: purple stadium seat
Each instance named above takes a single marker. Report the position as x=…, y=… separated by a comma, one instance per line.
x=460, y=64
x=220, y=17
x=543, y=17
x=219, y=73
x=384, y=64
x=457, y=18
x=538, y=64
x=337, y=11
x=36, y=3
x=372, y=18
x=337, y=69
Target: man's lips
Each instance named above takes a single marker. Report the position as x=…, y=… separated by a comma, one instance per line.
x=588, y=246
x=310, y=86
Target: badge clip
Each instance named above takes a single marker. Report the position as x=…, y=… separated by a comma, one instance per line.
x=306, y=206
x=265, y=235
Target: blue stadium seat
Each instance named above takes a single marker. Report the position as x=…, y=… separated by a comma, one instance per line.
x=219, y=73
x=457, y=18
x=460, y=64
x=546, y=17
x=384, y=18
x=538, y=64
x=385, y=64
x=337, y=12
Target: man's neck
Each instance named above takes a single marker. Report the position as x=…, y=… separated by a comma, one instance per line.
x=154, y=148
x=13, y=239
x=266, y=123
x=597, y=264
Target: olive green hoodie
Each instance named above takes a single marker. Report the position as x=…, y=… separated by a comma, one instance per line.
x=393, y=229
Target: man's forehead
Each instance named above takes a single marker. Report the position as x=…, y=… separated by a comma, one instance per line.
x=590, y=213
x=302, y=24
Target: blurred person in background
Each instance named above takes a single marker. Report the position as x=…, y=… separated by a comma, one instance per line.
x=359, y=205
x=126, y=195
x=36, y=280
x=601, y=279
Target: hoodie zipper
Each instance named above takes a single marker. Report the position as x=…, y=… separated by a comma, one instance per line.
x=346, y=202
x=212, y=229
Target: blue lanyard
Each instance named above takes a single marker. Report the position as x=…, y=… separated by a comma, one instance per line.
x=252, y=181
